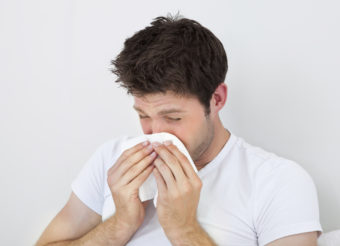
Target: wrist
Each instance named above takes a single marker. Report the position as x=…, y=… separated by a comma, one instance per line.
x=122, y=227
x=191, y=235
x=185, y=232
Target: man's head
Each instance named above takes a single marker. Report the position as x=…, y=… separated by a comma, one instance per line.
x=175, y=63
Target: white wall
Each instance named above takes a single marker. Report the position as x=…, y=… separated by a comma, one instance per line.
x=58, y=101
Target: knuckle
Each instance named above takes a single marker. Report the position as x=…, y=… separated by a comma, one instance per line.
x=143, y=162
x=110, y=171
x=128, y=162
x=183, y=158
x=134, y=170
x=161, y=150
x=138, y=155
x=163, y=166
x=111, y=184
x=109, y=180
x=187, y=188
x=198, y=184
x=125, y=154
x=114, y=189
x=175, y=196
x=146, y=150
x=172, y=147
x=173, y=160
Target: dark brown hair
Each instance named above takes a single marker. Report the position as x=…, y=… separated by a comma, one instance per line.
x=175, y=54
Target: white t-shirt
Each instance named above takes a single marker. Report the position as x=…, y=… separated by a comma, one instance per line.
x=249, y=196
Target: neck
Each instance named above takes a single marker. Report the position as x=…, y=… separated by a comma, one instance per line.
x=221, y=137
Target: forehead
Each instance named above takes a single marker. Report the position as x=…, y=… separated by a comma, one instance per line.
x=165, y=100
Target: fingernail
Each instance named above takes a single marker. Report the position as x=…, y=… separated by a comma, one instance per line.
x=167, y=142
x=145, y=143
x=149, y=148
x=153, y=154
x=155, y=144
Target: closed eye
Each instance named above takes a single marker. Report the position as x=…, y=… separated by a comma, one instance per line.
x=175, y=119
x=168, y=118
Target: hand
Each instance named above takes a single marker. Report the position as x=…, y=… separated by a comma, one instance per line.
x=124, y=179
x=179, y=190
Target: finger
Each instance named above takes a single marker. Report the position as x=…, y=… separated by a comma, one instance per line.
x=166, y=173
x=136, y=169
x=127, y=153
x=160, y=182
x=171, y=161
x=140, y=179
x=183, y=160
x=132, y=160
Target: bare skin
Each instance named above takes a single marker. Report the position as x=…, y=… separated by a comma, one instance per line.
x=179, y=186
x=76, y=224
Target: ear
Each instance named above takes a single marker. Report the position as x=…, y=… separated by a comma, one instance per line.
x=218, y=99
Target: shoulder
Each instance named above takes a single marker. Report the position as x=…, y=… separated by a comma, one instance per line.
x=284, y=197
x=264, y=166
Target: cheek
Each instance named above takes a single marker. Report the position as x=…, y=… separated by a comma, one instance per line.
x=190, y=133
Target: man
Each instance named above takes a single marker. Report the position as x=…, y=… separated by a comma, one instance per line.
x=242, y=195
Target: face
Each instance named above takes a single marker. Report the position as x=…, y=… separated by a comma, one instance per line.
x=181, y=116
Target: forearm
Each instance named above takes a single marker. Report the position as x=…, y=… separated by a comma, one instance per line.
x=192, y=236
x=110, y=232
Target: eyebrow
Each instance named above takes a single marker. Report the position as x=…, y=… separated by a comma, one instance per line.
x=162, y=112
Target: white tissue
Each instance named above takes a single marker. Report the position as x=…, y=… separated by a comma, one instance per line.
x=149, y=190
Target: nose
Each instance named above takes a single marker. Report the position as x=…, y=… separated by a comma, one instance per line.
x=158, y=126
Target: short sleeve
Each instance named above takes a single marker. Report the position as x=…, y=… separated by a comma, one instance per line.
x=89, y=183
x=286, y=202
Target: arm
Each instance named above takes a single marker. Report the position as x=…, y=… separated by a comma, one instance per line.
x=76, y=224
x=194, y=236
x=302, y=239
